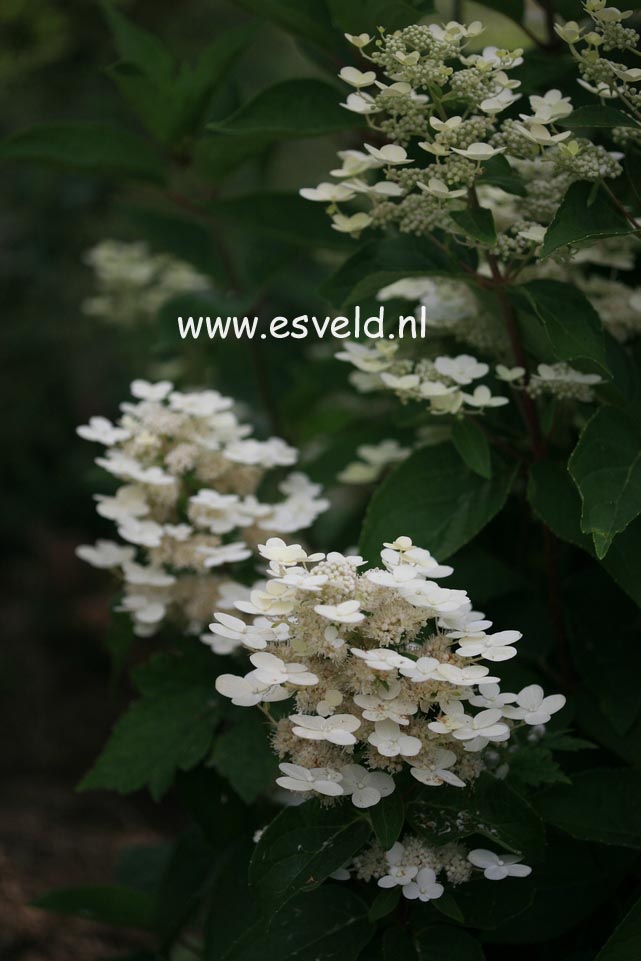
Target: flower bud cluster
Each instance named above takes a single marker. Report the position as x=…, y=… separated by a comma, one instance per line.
x=187, y=507
x=605, y=34
x=606, y=78
x=439, y=107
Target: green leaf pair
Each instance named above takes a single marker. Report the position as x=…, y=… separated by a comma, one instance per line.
x=169, y=98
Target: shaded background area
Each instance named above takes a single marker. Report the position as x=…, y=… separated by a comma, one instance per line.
x=60, y=367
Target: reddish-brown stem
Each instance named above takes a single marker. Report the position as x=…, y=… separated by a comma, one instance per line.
x=527, y=405
x=499, y=442
x=537, y=442
x=621, y=208
x=185, y=203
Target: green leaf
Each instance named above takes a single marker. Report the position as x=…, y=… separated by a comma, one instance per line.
x=169, y=728
x=365, y=16
x=606, y=468
x=484, y=575
x=186, y=877
x=555, y=500
x=103, y=147
x=623, y=561
x=110, y=904
x=477, y=223
x=387, y=818
x=198, y=82
x=597, y=115
x=613, y=691
x=138, y=46
x=498, y=172
x=439, y=942
x=204, y=795
x=472, y=445
x=170, y=100
x=286, y=217
x=568, y=889
x=488, y=906
x=559, y=741
x=447, y=906
x=585, y=214
x=307, y=19
x=591, y=718
x=303, y=846
x=290, y=110
x=242, y=754
x=231, y=903
x=398, y=944
x=329, y=924
x=625, y=942
x=384, y=903
x=491, y=809
x=624, y=388
x=603, y=805
x=571, y=323
x=434, y=499
x=217, y=156
x=156, y=105
x=533, y=765
x=380, y=262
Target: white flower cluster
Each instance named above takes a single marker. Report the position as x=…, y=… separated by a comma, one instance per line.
x=563, y=382
x=187, y=506
x=423, y=87
x=133, y=283
x=386, y=675
x=415, y=867
x=385, y=668
x=452, y=309
x=444, y=383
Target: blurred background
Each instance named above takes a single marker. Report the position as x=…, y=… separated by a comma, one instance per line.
x=63, y=365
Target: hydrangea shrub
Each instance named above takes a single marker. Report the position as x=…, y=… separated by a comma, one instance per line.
x=366, y=767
